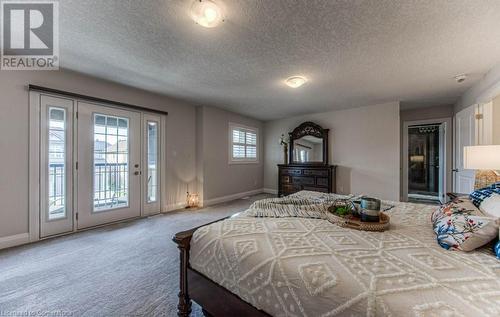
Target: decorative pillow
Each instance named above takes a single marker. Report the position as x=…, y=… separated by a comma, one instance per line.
x=491, y=206
x=461, y=228
x=496, y=249
x=479, y=195
x=465, y=204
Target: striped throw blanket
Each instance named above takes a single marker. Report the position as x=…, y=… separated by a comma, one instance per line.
x=290, y=206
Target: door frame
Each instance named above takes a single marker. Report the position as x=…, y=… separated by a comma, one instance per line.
x=34, y=156
x=448, y=152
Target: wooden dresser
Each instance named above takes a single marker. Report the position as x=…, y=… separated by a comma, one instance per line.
x=295, y=177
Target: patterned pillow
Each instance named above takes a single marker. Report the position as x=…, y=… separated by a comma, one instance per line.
x=496, y=249
x=479, y=195
x=459, y=228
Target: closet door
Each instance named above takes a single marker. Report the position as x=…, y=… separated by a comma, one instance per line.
x=56, y=165
x=109, y=164
x=465, y=135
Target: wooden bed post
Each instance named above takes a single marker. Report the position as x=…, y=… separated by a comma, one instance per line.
x=183, y=240
x=214, y=299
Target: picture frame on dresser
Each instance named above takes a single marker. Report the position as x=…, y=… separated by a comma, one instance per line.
x=308, y=167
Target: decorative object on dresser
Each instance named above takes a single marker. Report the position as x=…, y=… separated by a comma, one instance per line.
x=308, y=167
x=284, y=143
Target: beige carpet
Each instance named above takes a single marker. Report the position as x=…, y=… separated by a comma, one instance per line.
x=128, y=269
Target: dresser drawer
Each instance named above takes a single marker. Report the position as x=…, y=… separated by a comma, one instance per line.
x=291, y=171
x=316, y=189
x=290, y=189
x=296, y=177
x=303, y=180
x=322, y=181
x=315, y=172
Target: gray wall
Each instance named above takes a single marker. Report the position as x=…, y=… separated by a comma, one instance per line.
x=364, y=143
x=485, y=90
x=182, y=147
x=433, y=112
x=219, y=177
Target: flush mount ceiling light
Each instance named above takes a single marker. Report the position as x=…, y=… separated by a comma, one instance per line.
x=461, y=78
x=295, y=81
x=206, y=13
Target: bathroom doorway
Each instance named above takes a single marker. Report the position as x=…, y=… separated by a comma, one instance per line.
x=425, y=161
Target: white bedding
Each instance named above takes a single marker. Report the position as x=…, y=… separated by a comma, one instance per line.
x=310, y=267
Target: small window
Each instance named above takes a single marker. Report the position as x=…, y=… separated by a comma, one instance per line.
x=243, y=143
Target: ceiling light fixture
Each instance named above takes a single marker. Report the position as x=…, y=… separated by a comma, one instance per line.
x=461, y=78
x=295, y=81
x=206, y=13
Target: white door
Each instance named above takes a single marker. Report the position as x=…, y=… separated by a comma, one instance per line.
x=465, y=135
x=152, y=131
x=442, y=163
x=109, y=164
x=56, y=165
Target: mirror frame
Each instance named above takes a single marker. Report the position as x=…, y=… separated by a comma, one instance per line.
x=312, y=129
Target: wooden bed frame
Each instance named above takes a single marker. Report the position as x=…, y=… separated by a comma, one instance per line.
x=214, y=299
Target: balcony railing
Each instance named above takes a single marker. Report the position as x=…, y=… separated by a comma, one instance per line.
x=110, y=187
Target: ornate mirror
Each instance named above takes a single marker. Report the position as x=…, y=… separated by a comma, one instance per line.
x=308, y=144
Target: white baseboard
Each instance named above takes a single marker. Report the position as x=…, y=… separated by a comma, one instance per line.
x=223, y=199
x=14, y=240
x=270, y=191
x=175, y=206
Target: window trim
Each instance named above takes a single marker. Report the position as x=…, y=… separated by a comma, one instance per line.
x=245, y=160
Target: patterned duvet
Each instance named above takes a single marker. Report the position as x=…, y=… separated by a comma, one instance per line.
x=310, y=267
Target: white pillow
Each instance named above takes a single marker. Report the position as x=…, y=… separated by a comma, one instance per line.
x=491, y=206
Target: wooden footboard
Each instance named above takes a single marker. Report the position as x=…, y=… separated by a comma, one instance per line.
x=214, y=299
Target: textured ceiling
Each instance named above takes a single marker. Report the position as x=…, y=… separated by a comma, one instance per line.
x=354, y=52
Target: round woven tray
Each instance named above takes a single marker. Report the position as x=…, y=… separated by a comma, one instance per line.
x=356, y=223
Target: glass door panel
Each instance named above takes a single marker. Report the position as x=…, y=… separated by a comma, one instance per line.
x=111, y=162
x=152, y=167
x=56, y=162
x=151, y=159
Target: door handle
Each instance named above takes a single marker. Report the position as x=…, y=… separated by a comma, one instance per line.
x=455, y=170
x=137, y=173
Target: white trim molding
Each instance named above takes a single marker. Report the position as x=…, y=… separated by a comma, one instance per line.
x=245, y=160
x=223, y=199
x=174, y=206
x=14, y=240
x=270, y=191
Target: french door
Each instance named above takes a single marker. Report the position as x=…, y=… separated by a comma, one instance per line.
x=109, y=164
x=97, y=164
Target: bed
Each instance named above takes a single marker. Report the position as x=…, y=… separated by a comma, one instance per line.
x=301, y=266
